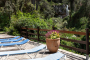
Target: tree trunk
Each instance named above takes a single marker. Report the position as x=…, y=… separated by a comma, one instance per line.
x=72, y=5
x=33, y=2
x=37, y=2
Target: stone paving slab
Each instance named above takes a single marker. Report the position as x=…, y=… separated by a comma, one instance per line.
x=5, y=36
x=30, y=45
x=72, y=56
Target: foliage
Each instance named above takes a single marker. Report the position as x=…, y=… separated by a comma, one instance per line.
x=4, y=20
x=73, y=44
x=59, y=23
x=53, y=34
x=28, y=19
x=46, y=9
x=28, y=7
x=83, y=22
x=12, y=31
x=56, y=1
x=13, y=6
x=78, y=21
x=49, y=23
x=79, y=16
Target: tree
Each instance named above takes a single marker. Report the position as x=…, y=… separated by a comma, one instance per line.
x=2, y=3
x=46, y=9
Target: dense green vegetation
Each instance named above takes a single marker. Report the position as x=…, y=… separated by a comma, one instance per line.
x=16, y=13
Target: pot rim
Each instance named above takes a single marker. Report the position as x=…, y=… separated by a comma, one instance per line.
x=53, y=39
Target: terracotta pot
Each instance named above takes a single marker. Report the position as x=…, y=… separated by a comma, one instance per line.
x=53, y=44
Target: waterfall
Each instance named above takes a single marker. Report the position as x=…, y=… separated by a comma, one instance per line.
x=67, y=11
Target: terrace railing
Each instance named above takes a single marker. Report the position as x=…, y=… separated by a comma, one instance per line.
x=87, y=34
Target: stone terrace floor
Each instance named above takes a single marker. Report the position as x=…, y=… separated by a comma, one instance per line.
x=30, y=45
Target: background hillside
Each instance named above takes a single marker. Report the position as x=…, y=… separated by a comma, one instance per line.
x=14, y=12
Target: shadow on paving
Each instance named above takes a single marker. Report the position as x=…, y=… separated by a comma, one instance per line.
x=70, y=56
x=47, y=52
x=73, y=57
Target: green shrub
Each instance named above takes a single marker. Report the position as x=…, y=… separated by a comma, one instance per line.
x=12, y=31
x=76, y=23
x=28, y=19
x=83, y=22
x=73, y=44
x=4, y=20
x=59, y=23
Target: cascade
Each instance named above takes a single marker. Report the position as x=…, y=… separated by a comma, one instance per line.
x=67, y=11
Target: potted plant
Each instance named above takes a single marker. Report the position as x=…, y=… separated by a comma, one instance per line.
x=53, y=40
